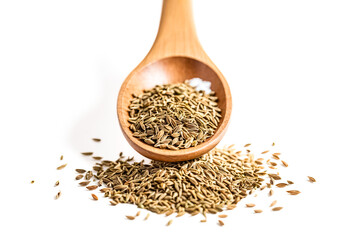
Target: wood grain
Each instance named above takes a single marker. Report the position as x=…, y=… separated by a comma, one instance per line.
x=175, y=56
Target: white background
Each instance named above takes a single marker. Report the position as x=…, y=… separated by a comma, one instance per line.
x=294, y=71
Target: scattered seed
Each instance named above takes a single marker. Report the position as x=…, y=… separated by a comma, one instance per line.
x=281, y=185
x=203, y=220
x=270, y=192
x=284, y=163
x=83, y=184
x=94, y=197
x=290, y=182
x=78, y=177
x=130, y=217
x=311, y=179
x=97, y=158
x=275, y=157
x=58, y=195
x=277, y=208
x=169, y=222
x=258, y=211
x=273, y=203
x=32, y=181
x=273, y=144
x=293, y=192
x=247, y=145
x=138, y=214
x=147, y=216
x=222, y=216
x=87, y=153
x=265, y=152
x=57, y=183
x=96, y=139
x=221, y=223
x=80, y=170
x=93, y=187
x=180, y=214
x=249, y=205
x=61, y=157
x=61, y=167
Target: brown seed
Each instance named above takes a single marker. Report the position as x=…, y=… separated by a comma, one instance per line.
x=274, y=176
x=97, y=158
x=273, y=144
x=273, y=203
x=258, y=211
x=61, y=167
x=284, y=163
x=222, y=216
x=203, y=220
x=57, y=183
x=265, y=152
x=32, y=181
x=270, y=192
x=130, y=217
x=93, y=187
x=311, y=179
x=221, y=223
x=138, y=214
x=281, y=185
x=61, y=157
x=83, y=184
x=58, y=195
x=105, y=189
x=180, y=214
x=113, y=203
x=290, y=182
x=169, y=222
x=293, y=192
x=87, y=153
x=80, y=170
x=277, y=208
x=275, y=157
x=231, y=207
x=247, y=145
x=94, y=197
x=96, y=139
x=78, y=177
x=147, y=216
x=249, y=205
x=273, y=163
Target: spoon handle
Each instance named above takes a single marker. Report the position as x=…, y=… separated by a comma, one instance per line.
x=176, y=35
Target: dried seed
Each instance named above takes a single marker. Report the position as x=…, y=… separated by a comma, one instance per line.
x=130, y=217
x=94, y=197
x=273, y=203
x=275, y=157
x=147, y=216
x=311, y=179
x=58, y=195
x=57, y=183
x=32, y=181
x=96, y=139
x=281, y=185
x=274, y=176
x=293, y=192
x=138, y=214
x=247, y=145
x=61, y=167
x=290, y=182
x=87, y=153
x=169, y=222
x=258, y=211
x=203, y=220
x=222, y=216
x=249, y=205
x=83, y=184
x=78, y=177
x=270, y=192
x=277, y=208
x=273, y=144
x=61, y=157
x=97, y=158
x=221, y=223
x=265, y=152
x=284, y=163
x=80, y=170
x=93, y=187
x=180, y=214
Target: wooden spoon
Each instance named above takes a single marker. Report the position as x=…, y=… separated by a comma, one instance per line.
x=175, y=56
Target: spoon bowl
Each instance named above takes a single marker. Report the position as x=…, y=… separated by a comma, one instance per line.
x=176, y=56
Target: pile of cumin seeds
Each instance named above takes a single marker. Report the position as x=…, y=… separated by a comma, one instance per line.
x=207, y=184
x=174, y=116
